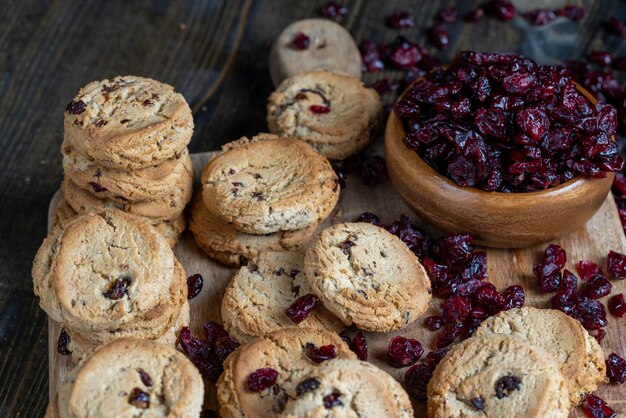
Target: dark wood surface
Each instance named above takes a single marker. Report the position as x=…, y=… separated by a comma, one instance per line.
x=215, y=53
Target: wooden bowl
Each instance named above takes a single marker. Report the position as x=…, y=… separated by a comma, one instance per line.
x=500, y=220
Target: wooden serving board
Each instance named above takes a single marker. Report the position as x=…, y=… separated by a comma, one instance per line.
x=506, y=267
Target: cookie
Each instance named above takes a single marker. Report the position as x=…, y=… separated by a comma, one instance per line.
x=283, y=351
x=334, y=113
x=258, y=295
x=161, y=209
x=109, y=272
x=128, y=123
x=270, y=184
x=129, y=378
x=349, y=388
x=126, y=186
x=220, y=241
x=367, y=277
x=579, y=355
x=329, y=46
x=52, y=411
x=498, y=376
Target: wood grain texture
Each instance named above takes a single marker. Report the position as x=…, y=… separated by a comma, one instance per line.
x=506, y=268
x=215, y=53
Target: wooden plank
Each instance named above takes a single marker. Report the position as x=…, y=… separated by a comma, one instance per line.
x=506, y=267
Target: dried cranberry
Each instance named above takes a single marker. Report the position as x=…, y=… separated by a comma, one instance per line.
x=548, y=277
x=616, y=369
x=307, y=385
x=506, y=385
x=371, y=60
x=455, y=309
x=300, y=42
x=145, y=377
x=402, y=53
x=418, y=242
x=76, y=107
x=597, y=287
x=594, y=407
x=490, y=299
x=539, y=17
x=587, y=269
x=369, y=218
x=502, y=9
x=433, y=323
x=617, y=306
x=320, y=354
x=590, y=313
x=403, y=352
x=384, y=85
x=300, y=309
x=117, y=289
x=448, y=334
x=319, y=109
x=359, y=346
x=224, y=346
x=475, y=15
x=139, y=399
x=332, y=400
x=62, y=343
x=555, y=254
x=616, y=265
x=574, y=13
x=401, y=20
x=569, y=282
x=261, y=379
x=448, y=15
x=533, y=122
x=373, y=170
x=194, y=285
x=601, y=58
x=616, y=27
x=416, y=380
x=439, y=36
x=454, y=250
x=514, y=297
x=333, y=10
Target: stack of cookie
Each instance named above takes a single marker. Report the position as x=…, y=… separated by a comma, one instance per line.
x=130, y=378
x=107, y=275
x=125, y=147
x=259, y=194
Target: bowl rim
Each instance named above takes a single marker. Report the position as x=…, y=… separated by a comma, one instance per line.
x=579, y=179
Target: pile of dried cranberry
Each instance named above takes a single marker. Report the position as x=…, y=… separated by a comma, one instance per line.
x=503, y=123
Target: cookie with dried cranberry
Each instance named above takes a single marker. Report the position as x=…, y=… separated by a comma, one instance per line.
x=498, y=376
x=130, y=378
x=109, y=272
x=367, y=277
x=313, y=44
x=268, y=184
x=222, y=242
x=124, y=186
x=262, y=375
x=350, y=388
x=579, y=355
x=128, y=123
x=332, y=112
x=258, y=296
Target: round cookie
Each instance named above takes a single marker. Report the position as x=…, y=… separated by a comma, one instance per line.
x=108, y=271
x=349, y=388
x=258, y=295
x=163, y=208
x=285, y=352
x=498, y=376
x=220, y=241
x=331, y=47
x=126, y=186
x=128, y=123
x=268, y=184
x=334, y=113
x=367, y=277
x=106, y=383
x=579, y=355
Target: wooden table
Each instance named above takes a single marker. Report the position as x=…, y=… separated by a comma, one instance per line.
x=215, y=53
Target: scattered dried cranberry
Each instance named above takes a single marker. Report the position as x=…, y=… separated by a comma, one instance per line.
x=332, y=400
x=307, y=385
x=401, y=20
x=302, y=307
x=300, y=42
x=475, y=15
x=402, y=53
x=587, y=269
x=617, y=306
x=139, y=399
x=616, y=27
x=373, y=170
x=370, y=218
x=117, y=289
x=455, y=309
x=433, y=323
x=490, y=299
x=359, y=346
x=540, y=17
x=417, y=377
x=555, y=254
x=145, y=377
x=616, y=369
x=320, y=354
x=333, y=10
x=448, y=334
x=97, y=187
x=439, y=36
x=63, y=342
x=370, y=55
x=601, y=58
x=448, y=14
x=594, y=407
x=76, y=107
x=261, y=379
x=384, y=85
x=502, y=9
x=403, y=352
x=597, y=287
x=194, y=285
x=514, y=297
x=507, y=384
x=418, y=242
x=574, y=13
x=616, y=265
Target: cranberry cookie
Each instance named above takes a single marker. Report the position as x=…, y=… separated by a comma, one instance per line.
x=334, y=113
x=128, y=123
x=268, y=184
x=367, y=277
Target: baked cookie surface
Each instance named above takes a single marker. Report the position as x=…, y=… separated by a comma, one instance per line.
x=258, y=295
x=128, y=378
x=367, y=277
x=498, y=376
x=283, y=351
x=128, y=123
x=580, y=356
x=334, y=113
x=268, y=184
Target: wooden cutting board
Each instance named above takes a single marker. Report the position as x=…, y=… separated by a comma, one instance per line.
x=506, y=267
